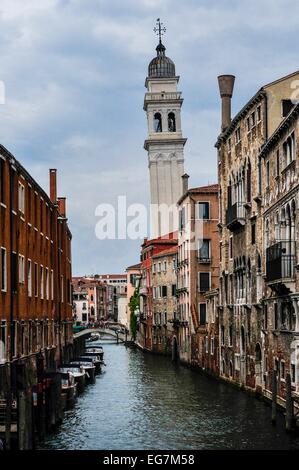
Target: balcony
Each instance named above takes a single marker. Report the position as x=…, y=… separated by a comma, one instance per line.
x=281, y=261
x=203, y=259
x=235, y=216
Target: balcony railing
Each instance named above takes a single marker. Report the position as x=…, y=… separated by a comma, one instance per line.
x=281, y=260
x=235, y=216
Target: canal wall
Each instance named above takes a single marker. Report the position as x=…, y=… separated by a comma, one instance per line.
x=289, y=406
x=31, y=403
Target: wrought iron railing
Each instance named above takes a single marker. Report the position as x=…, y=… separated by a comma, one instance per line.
x=281, y=260
x=235, y=213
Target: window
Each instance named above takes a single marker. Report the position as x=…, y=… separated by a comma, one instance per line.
x=204, y=250
x=52, y=284
x=164, y=291
x=212, y=346
x=204, y=210
x=29, y=192
x=266, y=316
x=252, y=119
x=182, y=220
x=289, y=149
x=171, y=122
x=35, y=280
x=222, y=335
x=159, y=267
x=229, y=145
x=41, y=282
x=47, y=284
x=253, y=233
x=230, y=247
x=282, y=370
x=248, y=124
x=41, y=208
x=202, y=314
x=21, y=198
x=2, y=181
x=238, y=135
x=165, y=266
x=21, y=269
x=35, y=209
x=29, y=278
x=277, y=163
x=230, y=335
x=204, y=282
x=2, y=341
x=259, y=114
x=158, y=122
x=267, y=173
x=153, y=269
x=173, y=290
x=293, y=373
x=62, y=289
x=286, y=106
x=3, y=270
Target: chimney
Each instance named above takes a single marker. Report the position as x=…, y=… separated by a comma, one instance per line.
x=226, y=86
x=53, y=185
x=62, y=206
x=185, y=178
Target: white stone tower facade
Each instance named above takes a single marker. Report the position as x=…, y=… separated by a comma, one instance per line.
x=165, y=143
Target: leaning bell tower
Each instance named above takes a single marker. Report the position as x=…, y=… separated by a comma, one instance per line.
x=164, y=143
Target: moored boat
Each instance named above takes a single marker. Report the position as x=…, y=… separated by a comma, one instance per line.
x=95, y=350
x=89, y=368
x=78, y=373
x=95, y=359
x=68, y=388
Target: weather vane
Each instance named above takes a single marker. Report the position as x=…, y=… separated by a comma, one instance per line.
x=159, y=29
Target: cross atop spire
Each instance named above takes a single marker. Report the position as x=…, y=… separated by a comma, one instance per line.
x=159, y=29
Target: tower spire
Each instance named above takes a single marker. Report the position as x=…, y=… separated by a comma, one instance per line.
x=159, y=29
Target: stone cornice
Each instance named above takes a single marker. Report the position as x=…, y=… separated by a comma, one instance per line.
x=242, y=113
x=286, y=123
x=165, y=141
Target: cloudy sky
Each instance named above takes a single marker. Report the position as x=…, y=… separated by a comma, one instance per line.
x=74, y=74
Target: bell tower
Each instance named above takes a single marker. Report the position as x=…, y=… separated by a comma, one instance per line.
x=164, y=143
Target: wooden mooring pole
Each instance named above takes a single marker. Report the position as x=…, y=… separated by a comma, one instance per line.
x=274, y=396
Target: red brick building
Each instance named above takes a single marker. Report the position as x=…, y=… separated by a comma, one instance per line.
x=149, y=249
x=35, y=276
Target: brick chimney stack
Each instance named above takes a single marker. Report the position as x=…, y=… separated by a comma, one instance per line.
x=226, y=86
x=53, y=185
x=62, y=206
x=185, y=179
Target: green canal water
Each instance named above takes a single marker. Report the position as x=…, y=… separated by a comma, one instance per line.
x=142, y=401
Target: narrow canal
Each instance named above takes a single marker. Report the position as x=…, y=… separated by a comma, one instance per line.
x=145, y=402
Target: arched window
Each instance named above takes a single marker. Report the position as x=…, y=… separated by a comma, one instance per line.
x=249, y=182
x=158, y=122
x=171, y=122
x=243, y=344
x=258, y=353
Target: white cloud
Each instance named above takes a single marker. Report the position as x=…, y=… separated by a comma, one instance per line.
x=74, y=74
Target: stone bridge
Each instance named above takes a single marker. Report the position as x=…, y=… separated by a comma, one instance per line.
x=105, y=334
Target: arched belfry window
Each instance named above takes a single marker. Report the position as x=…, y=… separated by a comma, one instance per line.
x=171, y=122
x=158, y=122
